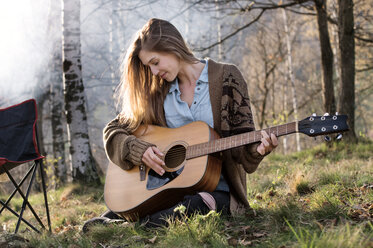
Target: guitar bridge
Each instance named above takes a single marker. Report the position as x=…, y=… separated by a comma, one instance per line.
x=142, y=172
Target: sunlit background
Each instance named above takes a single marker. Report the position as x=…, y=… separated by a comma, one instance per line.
x=22, y=45
x=27, y=41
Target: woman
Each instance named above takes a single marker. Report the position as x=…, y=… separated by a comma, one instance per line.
x=164, y=84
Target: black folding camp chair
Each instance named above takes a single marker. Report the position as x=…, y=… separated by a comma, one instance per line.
x=19, y=145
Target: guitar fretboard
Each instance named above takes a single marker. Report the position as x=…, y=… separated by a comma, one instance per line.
x=222, y=144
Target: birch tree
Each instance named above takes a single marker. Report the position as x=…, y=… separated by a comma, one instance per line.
x=291, y=75
x=83, y=164
x=56, y=92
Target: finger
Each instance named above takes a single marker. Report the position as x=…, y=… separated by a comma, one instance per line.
x=157, y=151
x=260, y=149
x=157, y=168
x=153, y=165
x=267, y=138
x=145, y=156
x=274, y=140
x=264, y=134
x=152, y=161
x=265, y=142
x=155, y=158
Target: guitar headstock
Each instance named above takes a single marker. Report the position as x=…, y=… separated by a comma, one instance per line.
x=322, y=125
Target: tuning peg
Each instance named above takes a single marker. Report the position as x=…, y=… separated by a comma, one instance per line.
x=327, y=138
x=326, y=114
x=336, y=113
x=314, y=114
x=339, y=137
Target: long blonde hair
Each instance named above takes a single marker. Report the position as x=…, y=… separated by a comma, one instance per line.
x=140, y=94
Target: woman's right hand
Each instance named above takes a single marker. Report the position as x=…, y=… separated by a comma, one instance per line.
x=151, y=158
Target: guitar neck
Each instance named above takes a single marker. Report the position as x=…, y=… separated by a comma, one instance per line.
x=222, y=144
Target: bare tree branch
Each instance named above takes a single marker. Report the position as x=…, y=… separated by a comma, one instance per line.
x=365, y=69
x=231, y=34
x=187, y=8
x=363, y=39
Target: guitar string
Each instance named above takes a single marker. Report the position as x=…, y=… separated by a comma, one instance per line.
x=180, y=151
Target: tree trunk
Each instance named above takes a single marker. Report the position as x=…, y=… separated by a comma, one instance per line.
x=347, y=63
x=291, y=76
x=84, y=168
x=285, y=111
x=334, y=9
x=326, y=57
x=218, y=28
x=41, y=99
x=56, y=106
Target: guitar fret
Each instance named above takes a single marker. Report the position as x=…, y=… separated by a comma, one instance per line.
x=286, y=128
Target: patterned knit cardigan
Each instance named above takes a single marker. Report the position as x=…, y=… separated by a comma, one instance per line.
x=232, y=115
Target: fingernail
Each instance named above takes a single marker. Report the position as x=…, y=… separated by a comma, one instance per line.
x=162, y=171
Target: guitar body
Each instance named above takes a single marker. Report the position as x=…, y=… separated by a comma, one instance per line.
x=131, y=198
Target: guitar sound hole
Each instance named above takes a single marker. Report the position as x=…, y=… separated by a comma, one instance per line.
x=175, y=156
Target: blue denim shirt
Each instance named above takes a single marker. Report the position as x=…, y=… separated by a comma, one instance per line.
x=178, y=113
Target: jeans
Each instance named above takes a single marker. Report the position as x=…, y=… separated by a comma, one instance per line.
x=193, y=203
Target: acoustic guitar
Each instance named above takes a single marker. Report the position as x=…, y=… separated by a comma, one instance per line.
x=191, y=165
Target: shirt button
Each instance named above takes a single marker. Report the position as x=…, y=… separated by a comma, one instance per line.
x=195, y=102
x=198, y=88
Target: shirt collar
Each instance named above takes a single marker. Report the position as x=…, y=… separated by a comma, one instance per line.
x=174, y=86
x=203, y=78
x=204, y=74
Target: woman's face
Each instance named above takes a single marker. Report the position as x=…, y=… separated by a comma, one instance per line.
x=164, y=65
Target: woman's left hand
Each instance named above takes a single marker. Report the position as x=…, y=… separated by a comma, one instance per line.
x=268, y=143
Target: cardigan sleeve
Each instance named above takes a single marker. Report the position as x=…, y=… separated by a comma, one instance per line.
x=122, y=148
x=237, y=117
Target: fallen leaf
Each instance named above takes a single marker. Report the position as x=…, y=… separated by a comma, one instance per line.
x=245, y=228
x=246, y=242
x=228, y=224
x=259, y=235
x=232, y=241
x=138, y=239
x=152, y=240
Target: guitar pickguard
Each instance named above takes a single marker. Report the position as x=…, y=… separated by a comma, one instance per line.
x=156, y=181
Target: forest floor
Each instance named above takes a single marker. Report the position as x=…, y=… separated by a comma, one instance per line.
x=320, y=197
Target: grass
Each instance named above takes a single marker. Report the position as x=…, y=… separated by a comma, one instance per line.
x=321, y=197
